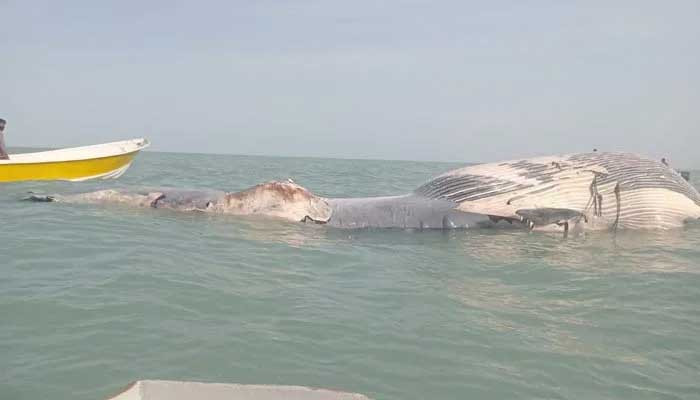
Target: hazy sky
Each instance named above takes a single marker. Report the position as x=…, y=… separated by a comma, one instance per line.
x=423, y=80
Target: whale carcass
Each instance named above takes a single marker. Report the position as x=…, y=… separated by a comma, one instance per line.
x=586, y=191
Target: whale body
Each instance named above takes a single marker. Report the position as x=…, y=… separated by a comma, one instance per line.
x=580, y=192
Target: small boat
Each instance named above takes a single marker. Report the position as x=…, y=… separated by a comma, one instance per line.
x=177, y=390
x=109, y=160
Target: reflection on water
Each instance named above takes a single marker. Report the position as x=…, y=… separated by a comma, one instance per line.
x=637, y=250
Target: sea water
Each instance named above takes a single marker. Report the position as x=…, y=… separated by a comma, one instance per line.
x=93, y=297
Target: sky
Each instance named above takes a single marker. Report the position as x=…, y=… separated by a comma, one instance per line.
x=412, y=80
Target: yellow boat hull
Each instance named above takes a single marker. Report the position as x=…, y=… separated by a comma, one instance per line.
x=106, y=167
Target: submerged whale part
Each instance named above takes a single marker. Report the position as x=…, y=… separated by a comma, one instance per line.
x=410, y=211
x=588, y=191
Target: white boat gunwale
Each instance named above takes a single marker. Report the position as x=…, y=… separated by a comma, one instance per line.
x=82, y=153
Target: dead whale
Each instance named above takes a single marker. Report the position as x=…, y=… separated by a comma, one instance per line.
x=579, y=192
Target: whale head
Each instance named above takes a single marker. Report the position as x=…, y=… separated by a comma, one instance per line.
x=285, y=200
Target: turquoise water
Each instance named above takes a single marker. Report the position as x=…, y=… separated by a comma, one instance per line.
x=94, y=297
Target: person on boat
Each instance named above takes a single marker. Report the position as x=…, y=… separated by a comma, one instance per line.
x=3, y=152
x=664, y=161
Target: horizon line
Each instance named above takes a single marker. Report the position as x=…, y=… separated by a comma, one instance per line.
x=150, y=150
x=262, y=155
